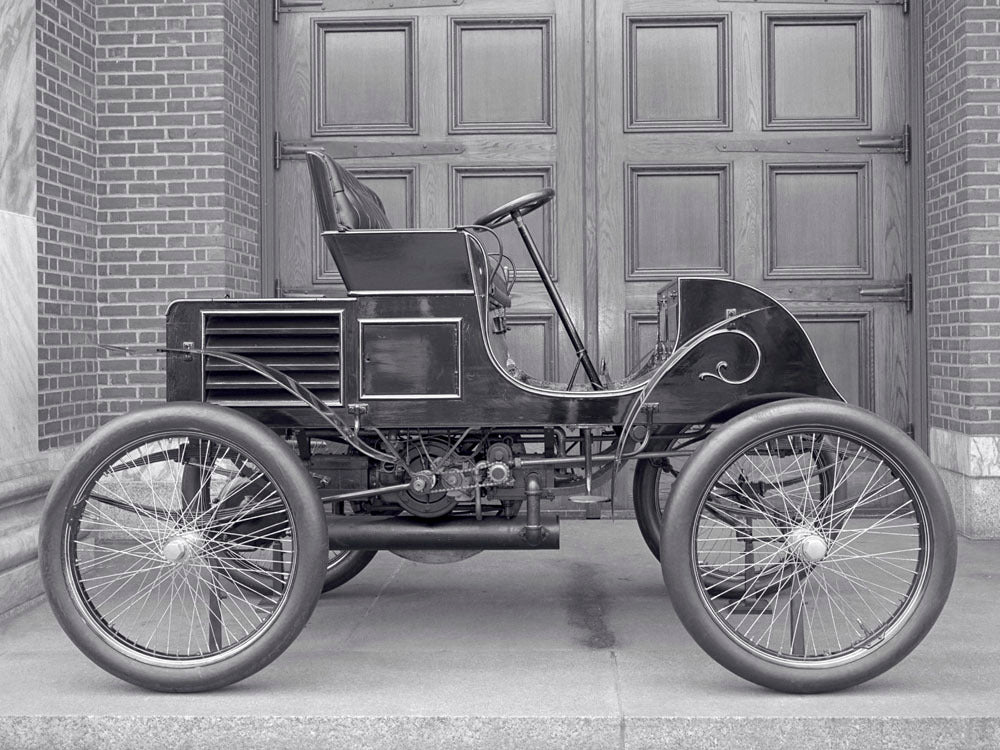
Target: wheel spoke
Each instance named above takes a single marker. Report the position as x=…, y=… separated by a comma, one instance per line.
x=834, y=555
x=182, y=548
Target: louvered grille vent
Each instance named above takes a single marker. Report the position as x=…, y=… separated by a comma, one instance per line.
x=303, y=345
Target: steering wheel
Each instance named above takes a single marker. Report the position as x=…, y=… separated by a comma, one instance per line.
x=523, y=205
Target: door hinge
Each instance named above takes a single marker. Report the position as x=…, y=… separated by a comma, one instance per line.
x=835, y=144
x=348, y=149
x=911, y=430
x=286, y=5
x=906, y=12
x=895, y=144
x=901, y=292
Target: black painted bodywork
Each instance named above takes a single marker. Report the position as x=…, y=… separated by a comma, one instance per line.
x=732, y=348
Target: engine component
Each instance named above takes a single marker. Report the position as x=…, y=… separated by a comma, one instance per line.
x=453, y=479
x=500, y=453
x=422, y=482
x=498, y=473
x=339, y=472
x=427, y=496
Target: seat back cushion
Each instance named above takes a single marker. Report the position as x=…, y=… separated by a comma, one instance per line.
x=342, y=200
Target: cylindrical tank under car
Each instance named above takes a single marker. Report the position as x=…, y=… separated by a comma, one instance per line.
x=403, y=532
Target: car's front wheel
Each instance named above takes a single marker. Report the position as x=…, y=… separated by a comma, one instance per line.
x=184, y=547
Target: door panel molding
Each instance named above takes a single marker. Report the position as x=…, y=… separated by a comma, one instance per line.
x=502, y=87
x=686, y=210
x=798, y=95
x=675, y=54
x=373, y=80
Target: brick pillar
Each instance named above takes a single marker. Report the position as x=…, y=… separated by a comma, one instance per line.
x=177, y=113
x=67, y=210
x=962, y=68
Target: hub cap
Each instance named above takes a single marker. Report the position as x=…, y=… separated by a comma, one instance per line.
x=180, y=549
x=807, y=544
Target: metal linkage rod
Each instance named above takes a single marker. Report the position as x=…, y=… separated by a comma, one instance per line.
x=550, y=287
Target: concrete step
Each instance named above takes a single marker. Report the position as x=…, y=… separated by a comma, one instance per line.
x=571, y=648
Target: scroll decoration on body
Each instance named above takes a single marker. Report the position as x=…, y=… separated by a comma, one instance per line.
x=722, y=364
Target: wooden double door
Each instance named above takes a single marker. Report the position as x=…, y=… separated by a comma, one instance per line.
x=762, y=142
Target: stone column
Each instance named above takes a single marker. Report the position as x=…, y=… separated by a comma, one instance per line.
x=962, y=116
x=19, y=457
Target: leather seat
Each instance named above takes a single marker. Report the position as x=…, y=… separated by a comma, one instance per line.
x=343, y=202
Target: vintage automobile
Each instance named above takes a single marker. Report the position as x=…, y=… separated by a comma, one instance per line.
x=807, y=545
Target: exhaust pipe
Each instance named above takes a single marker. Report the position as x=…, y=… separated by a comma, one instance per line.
x=407, y=532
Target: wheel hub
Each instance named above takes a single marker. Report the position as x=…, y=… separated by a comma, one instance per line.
x=807, y=544
x=181, y=548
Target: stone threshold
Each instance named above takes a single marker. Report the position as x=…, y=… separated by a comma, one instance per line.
x=495, y=732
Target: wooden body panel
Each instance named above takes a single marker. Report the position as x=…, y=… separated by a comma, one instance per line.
x=735, y=347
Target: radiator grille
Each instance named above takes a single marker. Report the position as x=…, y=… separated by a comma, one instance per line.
x=306, y=346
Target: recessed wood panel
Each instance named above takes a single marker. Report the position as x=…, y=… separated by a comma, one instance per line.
x=640, y=337
x=816, y=72
x=501, y=76
x=844, y=343
x=677, y=219
x=364, y=77
x=818, y=221
x=677, y=73
x=477, y=190
x=531, y=343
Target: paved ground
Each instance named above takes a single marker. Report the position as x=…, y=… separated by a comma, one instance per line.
x=573, y=648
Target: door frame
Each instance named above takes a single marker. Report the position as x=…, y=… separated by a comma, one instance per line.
x=919, y=393
x=267, y=72
x=920, y=390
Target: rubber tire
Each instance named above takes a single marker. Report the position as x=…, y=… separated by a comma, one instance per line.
x=645, y=501
x=695, y=481
x=347, y=567
x=270, y=453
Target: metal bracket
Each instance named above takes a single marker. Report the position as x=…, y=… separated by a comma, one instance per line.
x=901, y=292
x=286, y=6
x=358, y=411
x=348, y=149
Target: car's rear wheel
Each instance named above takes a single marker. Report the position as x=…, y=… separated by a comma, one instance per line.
x=800, y=584
x=184, y=547
x=342, y=565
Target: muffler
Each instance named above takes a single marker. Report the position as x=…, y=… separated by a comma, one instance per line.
x=407, y=532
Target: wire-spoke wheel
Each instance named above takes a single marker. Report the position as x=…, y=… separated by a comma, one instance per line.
x=808, y=545
x=184, y=547
x=652, y=485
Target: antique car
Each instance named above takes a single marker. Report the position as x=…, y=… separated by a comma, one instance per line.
x=807, y=545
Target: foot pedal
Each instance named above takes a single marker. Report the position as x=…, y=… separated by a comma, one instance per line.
x=587, y=499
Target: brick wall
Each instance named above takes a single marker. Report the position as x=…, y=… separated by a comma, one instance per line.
x=148, y=188
x=242, y=116
x=962, y=54
x=177, y=172
x=66, y=215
